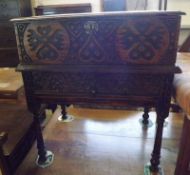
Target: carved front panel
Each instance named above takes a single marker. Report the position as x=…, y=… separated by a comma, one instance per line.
x=138, y=39
x=96, y=84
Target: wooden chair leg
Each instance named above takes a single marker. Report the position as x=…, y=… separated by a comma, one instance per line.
x=183, y=160
x=5, y=169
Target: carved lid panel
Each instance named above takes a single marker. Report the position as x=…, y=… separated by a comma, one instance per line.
x=120, y=39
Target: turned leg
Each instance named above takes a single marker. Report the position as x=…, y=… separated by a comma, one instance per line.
x=64, y=117
x=145, y=116
x=145, y=121
x=53, y=107
x=155, y=160
x=40, y=141
x=45, y=158
x=64, y=112
x=154, y=167
x=162, y=111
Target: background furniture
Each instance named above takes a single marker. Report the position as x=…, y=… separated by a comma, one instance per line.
x=182, y=95
x=8, y=49
x=17, y=134
x=113, y=5
x=102, y=59
x=66, y=8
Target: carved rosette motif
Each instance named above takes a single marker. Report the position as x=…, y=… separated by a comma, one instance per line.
x=142, y=40
x=46, y=43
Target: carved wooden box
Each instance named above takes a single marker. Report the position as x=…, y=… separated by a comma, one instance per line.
x=105, y=57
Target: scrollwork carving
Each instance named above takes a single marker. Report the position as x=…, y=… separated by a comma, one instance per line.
x=101, y=83
x=21, y=27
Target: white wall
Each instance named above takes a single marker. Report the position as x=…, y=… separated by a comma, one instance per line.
x=181, y=5
x=184, y=6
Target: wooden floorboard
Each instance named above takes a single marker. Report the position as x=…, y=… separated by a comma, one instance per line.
x=104, y=142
